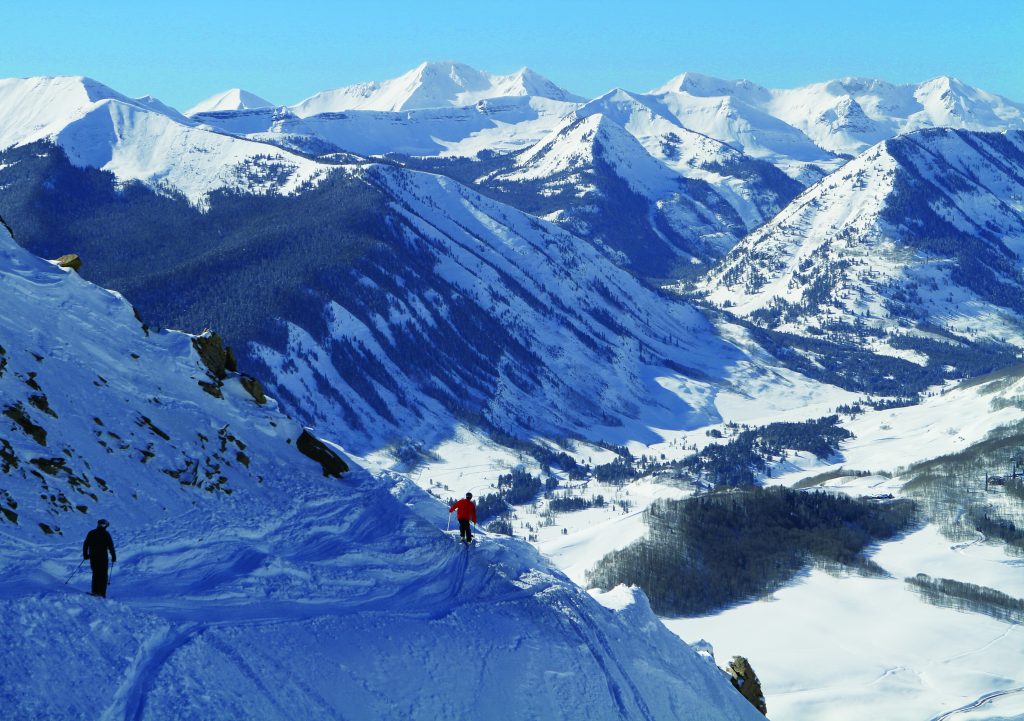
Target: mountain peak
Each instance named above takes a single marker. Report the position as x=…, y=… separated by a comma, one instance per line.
x=233, y=99
x=706, y=86
x=433, y=84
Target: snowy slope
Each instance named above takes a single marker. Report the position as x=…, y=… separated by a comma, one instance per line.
x=233, y=99
x=143, y=140
x=432, y=85
x=839, y=116
x=258, y=588
x=728, y=116
x=496, y=125
x=589, y=174
x=927, y=227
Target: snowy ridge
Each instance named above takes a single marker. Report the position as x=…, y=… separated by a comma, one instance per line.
x=841, y=116
x=143, y=140
x=432, y=85
x=266, y=590
x=233, y=99
x=860, y=245
x=497, y=125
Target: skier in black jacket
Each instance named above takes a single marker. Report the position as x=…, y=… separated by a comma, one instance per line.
x=97, y=543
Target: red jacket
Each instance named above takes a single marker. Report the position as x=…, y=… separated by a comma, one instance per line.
x=466, y=510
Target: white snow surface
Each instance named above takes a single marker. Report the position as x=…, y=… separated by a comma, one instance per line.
x=143, y=140
x=233, y=99
x=840, y=116
x=436, y=84
x=258, y=588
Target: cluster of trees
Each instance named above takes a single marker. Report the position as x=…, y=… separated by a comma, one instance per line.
x=953, y=493
x=709, y=551
x=517, y=487
x=560, y=504
x=736, y=462
x=961, y=596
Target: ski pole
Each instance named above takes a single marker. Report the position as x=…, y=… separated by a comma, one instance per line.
x=111, y=576
x=449, y=521
x=74, y=572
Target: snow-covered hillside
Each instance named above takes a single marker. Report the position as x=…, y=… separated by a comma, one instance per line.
x=143, y=140
x=249, y=584
x=926, y=228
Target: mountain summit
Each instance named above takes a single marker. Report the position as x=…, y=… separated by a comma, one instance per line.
x=433, y=85
x=233, y=99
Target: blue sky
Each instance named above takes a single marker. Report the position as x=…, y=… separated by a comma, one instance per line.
x=184, y=51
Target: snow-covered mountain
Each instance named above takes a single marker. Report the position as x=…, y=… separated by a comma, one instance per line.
x=594, y=178
x=496, y=125
x=143, y=140
x=248, y=583
x=433, y=85
x=233, y=99
x=840, y=116
x=924, y=231
x=622, y=161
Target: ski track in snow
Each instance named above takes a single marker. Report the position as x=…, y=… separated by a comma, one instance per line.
x=977, y=703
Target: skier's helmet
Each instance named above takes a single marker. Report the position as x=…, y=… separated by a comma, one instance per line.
x=102, y=523
x=469, y=496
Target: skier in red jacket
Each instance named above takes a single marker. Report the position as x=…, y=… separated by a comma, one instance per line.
x=466, y=513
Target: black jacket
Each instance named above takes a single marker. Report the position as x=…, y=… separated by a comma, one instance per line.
x=97, y=543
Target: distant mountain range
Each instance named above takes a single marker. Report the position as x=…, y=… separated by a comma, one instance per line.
x=498, y=258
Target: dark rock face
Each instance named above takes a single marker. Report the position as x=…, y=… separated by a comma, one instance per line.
x=218, y=359
x=331, y=462
x=16, y=413
x=746, y=682
x=254, y=388
x=69, y=261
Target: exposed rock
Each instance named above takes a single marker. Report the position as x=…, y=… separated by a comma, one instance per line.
x=49, y=466
x=71, y=260
x=229, y=360
x=7, y=458
x=746, y=682
x=7, y=226
x=254, y=388
x=42, y=403
x=331, y=462
x=212, y=388
x=142, y=421
x=213, y=354
x=17, y=414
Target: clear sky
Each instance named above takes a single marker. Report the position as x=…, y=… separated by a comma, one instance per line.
x=182, y=51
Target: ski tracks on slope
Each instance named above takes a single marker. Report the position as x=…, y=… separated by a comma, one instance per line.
x=597, y=643
x=129, y=700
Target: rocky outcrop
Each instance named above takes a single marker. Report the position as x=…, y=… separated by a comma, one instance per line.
x=16, y=413
x=254, y=388
x=331, y=462
x=71, y=260
x=217, y=357
x=746, y=682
